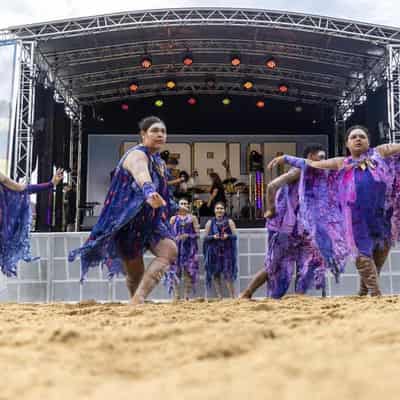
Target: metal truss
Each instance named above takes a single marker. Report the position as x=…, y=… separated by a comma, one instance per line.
x=370, y=79
x=95, y=82
x=22, y=160
x=63, y=93
x=222, y=88
x=210, y=16
x=394, y=92
x=117, y=52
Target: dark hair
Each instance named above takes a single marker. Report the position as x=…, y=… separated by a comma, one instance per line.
x=164, y=155
x=312, y=149
x=221, y=203
x=354, y=127
x=147, y=122
x=216, y=180
x=184, y=174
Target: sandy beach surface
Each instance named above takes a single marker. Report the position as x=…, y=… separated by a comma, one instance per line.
x=296, y=348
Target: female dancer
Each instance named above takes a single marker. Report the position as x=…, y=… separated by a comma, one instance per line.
x=16, y=219
x=220, y=251
x=186, y=230
x=135, y=217
x=363, y=190
x=287, y=249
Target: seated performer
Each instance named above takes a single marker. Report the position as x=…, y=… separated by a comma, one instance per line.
x=186, y=231
x=135, y=217
x=16, y=219
x=220, y=253
x=288, y=251
x=359, y=200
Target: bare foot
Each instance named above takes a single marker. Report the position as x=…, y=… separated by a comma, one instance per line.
x=244, y=295
x=137, y=300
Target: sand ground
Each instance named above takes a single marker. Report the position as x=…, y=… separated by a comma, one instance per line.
x=296, y=348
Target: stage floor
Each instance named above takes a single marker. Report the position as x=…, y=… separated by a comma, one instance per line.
x=297, y=348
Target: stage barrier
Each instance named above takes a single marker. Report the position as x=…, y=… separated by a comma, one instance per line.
x=53, y=278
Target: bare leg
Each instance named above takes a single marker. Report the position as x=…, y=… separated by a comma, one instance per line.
x=380, y=256
x=218, y=287
x=134, y=270
x=165, y=252
x=258, y=280
x=231, y=289
x=367, y=270
x=187, y=285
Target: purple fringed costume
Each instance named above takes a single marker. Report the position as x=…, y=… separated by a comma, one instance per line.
x=220, y=256
x=188, y=259
x=15, y=226
x=355, y=210
x=127, y=225
x=287, y=249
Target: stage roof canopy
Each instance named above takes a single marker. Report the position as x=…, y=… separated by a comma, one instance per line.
x=320, y=59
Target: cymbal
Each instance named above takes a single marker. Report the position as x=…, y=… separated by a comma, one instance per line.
x=229, y=180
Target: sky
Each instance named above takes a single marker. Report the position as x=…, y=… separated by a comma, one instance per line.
x=17, y=12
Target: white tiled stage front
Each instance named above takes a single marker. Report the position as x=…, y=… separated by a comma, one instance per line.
x=52, y=278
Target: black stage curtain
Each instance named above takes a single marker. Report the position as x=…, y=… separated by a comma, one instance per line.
x=50, y=149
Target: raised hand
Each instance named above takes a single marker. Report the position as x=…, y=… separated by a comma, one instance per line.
x=280, y=160
x=57, y=177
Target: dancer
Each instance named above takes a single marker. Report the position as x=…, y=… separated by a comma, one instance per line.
x=220, y=251
x=362, y=190
x=135, y=217
x=186, y=230
x=287, y=249
x=16, y=219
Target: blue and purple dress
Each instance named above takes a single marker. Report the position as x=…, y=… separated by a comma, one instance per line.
x=355, y=210
x=127, y=225
x=220, y=256
x=15, y=226
x=289, y=250
x=188, y=259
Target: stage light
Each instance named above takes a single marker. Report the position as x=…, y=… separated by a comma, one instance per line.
x=271, y=63
x=283, y=88
x=171, y=84
x=133, y=87
x=226, y=101
x=248, y=85
x=159, y=103
x=192, y=101
x=235, y=61
x=260, y=104
x=146, y=62
x=298, y=108
x=124, y=107
x=188, y=59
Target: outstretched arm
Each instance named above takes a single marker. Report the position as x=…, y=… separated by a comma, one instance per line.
x=289, y=177
x=387, y=150
x=136, y=163
x=330, y=163
x=10, y=184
